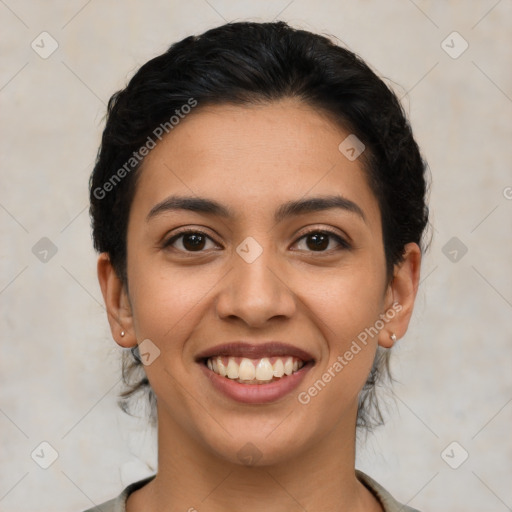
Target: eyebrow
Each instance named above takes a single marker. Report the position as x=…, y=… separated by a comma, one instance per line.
x=286, y=210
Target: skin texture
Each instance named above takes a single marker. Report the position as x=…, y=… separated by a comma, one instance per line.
x=253, y=159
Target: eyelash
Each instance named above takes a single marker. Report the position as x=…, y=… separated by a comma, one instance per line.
x=344, y=245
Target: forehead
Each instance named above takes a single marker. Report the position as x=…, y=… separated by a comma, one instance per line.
x=253, y=157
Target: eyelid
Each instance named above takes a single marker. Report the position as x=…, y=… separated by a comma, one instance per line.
x=167, y=242
x=343, y=240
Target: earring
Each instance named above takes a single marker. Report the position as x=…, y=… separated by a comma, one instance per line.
x=122, y=333
x=393, y=337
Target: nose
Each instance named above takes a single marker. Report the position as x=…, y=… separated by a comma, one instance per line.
x=255, y=292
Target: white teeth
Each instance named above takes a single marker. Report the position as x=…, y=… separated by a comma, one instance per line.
x=252, y=372
x=246, y=371
x=232, y=369
x=264, y=370
x=288, y=366
x=278, y=368
x=221, y=368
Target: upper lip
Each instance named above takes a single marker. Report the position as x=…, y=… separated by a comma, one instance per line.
x=255, y=350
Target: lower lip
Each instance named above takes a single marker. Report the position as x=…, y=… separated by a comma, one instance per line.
x=256, y=393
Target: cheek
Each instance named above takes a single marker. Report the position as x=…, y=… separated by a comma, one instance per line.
x=166, y=307
x=166, y=302
x=349, y=308
x=349, y=300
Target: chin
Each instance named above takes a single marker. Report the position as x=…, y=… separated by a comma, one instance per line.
x=255, y=446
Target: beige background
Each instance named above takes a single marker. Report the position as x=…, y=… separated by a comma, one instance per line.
x=59, y=366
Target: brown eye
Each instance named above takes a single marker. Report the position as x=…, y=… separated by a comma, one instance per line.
x=318, y=241
x=191, y=241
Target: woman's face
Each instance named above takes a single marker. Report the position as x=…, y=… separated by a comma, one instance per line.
x=251, y=278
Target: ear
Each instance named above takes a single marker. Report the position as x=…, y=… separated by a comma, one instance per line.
x=117, y=302
x=400, y=296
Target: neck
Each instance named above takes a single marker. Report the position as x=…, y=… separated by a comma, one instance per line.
x=190, y=477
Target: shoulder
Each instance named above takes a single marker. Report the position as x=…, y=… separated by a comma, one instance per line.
x=118, y=504
x=388, y=502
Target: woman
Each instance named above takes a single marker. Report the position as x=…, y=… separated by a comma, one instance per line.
x=258, y=203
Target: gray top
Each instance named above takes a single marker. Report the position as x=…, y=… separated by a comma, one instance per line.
x=388, y=502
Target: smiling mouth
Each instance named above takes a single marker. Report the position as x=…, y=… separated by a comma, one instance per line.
x=254, y=371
